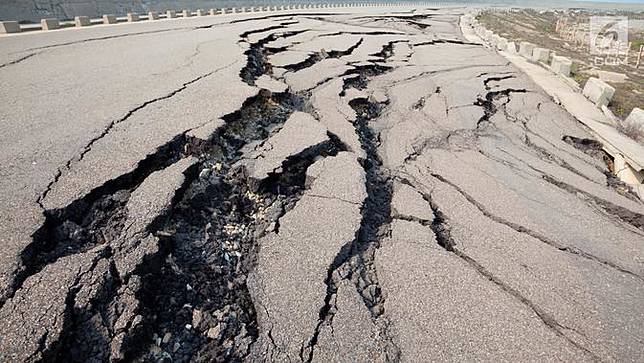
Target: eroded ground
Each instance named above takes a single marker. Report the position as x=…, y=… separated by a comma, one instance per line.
x=350, y=185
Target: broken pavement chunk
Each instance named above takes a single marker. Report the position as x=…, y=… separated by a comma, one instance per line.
x=34, y=319
x=267, y=82
x=149, y=201
x=352, y=336
x=288, y=286
x=407, y=202
x=300, y=132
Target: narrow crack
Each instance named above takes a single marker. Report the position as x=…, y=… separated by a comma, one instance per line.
x=442, y=231
x=446, y=41
x=355, y=260
x=88, y=147
x=317, y=57
x=633, y=218
x=19, y=59
x=110, y=37
x=534, y=234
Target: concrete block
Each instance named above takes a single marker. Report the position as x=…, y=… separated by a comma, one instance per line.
x=502, y=44
x=526, y=49
x=561, y=65
x=9, y=27
x=186, y=13
x=494, y=40
x=153, y=15
x=212, y=11
x=132, y=17
x=636, y=118
x=50, y=24
x=598, y=91
x=170, y=14
x=82, y=21
x=541, y=55
x=200, y=12
x=109, y=19
x=511, y=48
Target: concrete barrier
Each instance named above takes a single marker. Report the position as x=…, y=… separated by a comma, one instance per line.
x=541, y=55
x=598, y=91
x=636, y=118
x=82, y=21
x=153, y=15
x=526, y=49
x=200, y=12
x=186, y=13
x=561, y=65
x=495, y=39
x=212, y=11
x=50, y=24
x=502, y=44
x=109, y=19
x=9, y=27
x=170, y=14
x=132, y=17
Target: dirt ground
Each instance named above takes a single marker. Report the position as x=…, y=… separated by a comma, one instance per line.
x=539, y=27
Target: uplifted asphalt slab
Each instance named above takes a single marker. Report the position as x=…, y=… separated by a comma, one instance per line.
x=342, y=184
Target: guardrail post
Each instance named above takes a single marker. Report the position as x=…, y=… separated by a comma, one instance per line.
x=132, y=17
x=50, y=24
x=82, y=21
x=109, y=19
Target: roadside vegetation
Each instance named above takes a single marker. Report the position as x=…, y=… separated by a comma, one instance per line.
x=540, y=28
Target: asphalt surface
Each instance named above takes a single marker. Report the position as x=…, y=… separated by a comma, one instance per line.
x=326, y=185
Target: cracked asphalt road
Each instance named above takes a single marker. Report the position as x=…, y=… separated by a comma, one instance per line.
x=346, y=185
